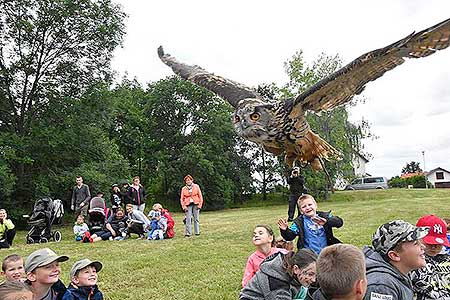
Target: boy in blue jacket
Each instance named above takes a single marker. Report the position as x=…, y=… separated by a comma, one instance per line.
x=313, y=227
x=83, y=285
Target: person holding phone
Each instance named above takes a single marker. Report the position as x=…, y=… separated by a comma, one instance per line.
x=296, y=188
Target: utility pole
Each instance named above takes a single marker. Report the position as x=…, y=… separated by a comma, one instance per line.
x=424, y=172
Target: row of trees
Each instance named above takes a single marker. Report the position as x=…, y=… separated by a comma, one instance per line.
x=61, y=117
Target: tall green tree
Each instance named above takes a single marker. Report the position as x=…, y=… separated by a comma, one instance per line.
x=188, y=130
x=50, y=51
x=411, y=167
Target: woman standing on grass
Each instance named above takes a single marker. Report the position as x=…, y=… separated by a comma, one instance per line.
x=191, y=202
x=264, y=240
x=282, y=277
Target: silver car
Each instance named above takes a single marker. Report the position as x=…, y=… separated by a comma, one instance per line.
x=368, y=183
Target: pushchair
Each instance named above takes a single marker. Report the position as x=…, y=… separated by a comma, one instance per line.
x=46, y=212
x=98, y=214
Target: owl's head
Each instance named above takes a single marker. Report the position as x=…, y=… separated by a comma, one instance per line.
x=253, y=119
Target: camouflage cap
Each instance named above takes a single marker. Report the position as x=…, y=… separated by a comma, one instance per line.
x=390, y=234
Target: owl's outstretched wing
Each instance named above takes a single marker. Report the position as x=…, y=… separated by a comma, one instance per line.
x=341, y=86
x=225, y=88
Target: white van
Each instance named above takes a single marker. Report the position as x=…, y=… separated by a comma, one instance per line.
x=368, y=183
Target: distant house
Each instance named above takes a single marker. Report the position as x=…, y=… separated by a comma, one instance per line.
x=439, y=177
x=359, y=170
x=359, y=165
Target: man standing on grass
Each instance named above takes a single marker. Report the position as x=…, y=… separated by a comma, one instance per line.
x=296, y=189
x=80, y=197
x=396, y=250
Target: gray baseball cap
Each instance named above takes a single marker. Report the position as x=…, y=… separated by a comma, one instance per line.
x=42, y=257
x=392, y=233
x=81, y=264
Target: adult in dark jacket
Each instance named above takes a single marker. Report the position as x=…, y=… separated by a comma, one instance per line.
x=136, y=194
x=296, y=188
x=313, y=228
x=116, y=198
x=396, y=251
x=80, y=197
x=282, y=277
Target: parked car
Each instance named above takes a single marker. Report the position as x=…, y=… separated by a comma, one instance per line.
x=368, y=183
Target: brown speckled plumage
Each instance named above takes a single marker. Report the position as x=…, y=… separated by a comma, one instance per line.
x=281, y=126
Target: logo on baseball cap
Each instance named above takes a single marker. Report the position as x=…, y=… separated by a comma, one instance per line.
x=438, y=230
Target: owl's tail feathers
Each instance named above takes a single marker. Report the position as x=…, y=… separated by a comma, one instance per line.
x=314, y=148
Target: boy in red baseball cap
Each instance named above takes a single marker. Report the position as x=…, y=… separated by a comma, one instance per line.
x=431, y=281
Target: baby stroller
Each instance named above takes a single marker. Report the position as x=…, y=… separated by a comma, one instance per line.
x=46, y=212
x=98, y=214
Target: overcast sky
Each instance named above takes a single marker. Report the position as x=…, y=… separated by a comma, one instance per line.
x=248, y=41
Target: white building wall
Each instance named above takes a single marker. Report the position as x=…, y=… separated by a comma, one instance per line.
x=359, y=166
x=432, y=177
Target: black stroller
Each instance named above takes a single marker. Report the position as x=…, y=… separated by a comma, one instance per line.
x=98, y=214
x=46, y=212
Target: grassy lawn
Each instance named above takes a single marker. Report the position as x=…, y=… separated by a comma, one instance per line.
x=210, y=266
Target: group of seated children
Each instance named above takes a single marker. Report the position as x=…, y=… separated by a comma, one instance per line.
x=404, y=261
x=120, y=225
x=38, y=278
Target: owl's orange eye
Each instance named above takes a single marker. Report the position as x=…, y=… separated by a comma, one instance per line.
x=254, y=117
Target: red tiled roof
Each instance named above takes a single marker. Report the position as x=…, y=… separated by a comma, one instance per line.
x=407, y=175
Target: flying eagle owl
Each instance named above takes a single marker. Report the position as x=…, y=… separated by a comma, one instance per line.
x=281, y=126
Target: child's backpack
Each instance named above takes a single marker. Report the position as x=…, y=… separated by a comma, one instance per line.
x=170, y=233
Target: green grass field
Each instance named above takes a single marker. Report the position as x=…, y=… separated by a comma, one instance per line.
x=210, y=266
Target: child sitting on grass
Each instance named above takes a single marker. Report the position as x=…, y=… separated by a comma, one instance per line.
x=83, y=281
x=43, y=270
x=313, y=228
x=15, y=290
x=80, y=228
x=12, y=268
x=263, y=239
x=158, y=223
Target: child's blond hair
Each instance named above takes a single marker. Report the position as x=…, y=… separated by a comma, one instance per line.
x=304, y=197
x=157, y=206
